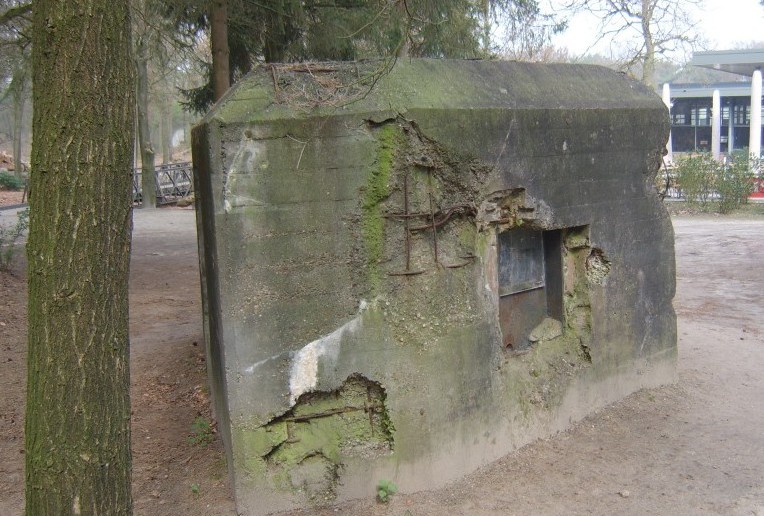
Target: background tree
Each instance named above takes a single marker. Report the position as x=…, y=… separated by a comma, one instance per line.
x=643, y=29
x=221, y=79
x=292, y=30
x=525, y=33
x=143, y=38
x=18, y=91
x=15, y=43
x=164, y=93
x=77, y=429
x=542, y=54
x=158, y=52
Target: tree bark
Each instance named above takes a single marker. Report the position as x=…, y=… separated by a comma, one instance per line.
x=148, y=180
x=77, y=430
x=221, y=78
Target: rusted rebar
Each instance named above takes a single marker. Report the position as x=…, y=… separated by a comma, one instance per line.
x=332, y=412
x=275, y=79
x=441, y=221
x=406, y=219
x=434, y=227
x=404, y=273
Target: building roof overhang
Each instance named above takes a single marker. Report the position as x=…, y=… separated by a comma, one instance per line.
x=726, y=89
x=740, y=62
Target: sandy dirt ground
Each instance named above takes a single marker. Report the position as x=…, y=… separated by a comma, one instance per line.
x=695, y=447
x=8, y=197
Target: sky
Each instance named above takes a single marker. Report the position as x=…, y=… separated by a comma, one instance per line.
x=724, y=23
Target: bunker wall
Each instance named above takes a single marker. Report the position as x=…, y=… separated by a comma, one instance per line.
x=410, y=281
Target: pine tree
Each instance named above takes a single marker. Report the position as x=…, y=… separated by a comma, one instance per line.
x=292, y=31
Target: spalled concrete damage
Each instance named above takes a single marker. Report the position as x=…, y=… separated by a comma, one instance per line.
x=407, y=281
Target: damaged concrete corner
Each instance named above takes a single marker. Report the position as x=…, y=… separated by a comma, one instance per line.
x=412, y=281
x=303, y=450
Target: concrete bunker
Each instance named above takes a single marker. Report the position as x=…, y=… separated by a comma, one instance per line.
x=409, y=280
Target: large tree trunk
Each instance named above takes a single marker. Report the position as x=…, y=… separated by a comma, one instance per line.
x=221, y=79
x=148, y=180
x=77, y=439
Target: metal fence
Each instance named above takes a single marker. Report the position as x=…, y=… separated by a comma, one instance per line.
x=173, y=182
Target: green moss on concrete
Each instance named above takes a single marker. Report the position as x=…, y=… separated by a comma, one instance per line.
x=280, y=479
x=256, y=97
x=467, y=237
x=539, y=378
x=377, y=190
x=254, y=465
x=439, y=297
x=333, y=425
x=577, y=238
x=427, y=84
x=319, y=436
x=262, y=440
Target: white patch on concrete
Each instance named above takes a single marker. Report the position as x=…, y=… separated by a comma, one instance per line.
x=304, y=374
x=251, y=369
x=249, y=155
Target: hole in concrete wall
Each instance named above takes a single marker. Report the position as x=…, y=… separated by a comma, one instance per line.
x=576, y=250
x=597, y=267
x=357, y=409
x=530, y=286
x=305, y=447
x=544, y=281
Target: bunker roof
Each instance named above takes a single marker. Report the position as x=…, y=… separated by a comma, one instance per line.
x=289, y=91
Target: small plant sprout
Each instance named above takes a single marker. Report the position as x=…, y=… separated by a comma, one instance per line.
x=195, y=489
x=385, y=490
x=202, y=432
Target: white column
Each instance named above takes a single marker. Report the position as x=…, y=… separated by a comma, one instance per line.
x=716, y=125
x=754, y=144
x=669, y=157
x=731, y=131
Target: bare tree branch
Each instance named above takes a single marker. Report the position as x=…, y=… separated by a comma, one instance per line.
x=645, y=29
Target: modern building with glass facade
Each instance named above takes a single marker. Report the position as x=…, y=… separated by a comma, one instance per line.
x=720, y=117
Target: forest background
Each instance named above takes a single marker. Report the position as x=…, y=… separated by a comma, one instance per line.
x=173, y=50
